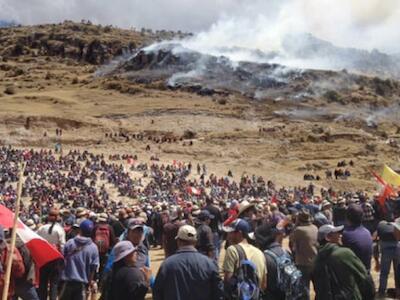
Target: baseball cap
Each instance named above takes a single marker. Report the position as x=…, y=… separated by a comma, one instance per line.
x=238, y=225
x=123, y=249
x=324, y=230
x=86, y=227
x=205, y=214
x=187, y=233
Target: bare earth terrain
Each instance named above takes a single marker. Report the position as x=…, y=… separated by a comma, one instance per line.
x=50, y=78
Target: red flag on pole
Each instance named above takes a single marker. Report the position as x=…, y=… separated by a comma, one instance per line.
x=386, y=192
x=42, y=251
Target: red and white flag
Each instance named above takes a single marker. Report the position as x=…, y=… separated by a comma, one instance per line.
x=194, y=191
x=42, y=252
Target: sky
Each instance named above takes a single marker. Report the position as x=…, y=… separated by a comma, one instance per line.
x=261, y=24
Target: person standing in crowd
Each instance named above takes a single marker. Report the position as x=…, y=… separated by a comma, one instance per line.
x=215, y=225
x=81, y=262
x=339, y=212
x=188, y=274
x=326, y=209
x=238, y=236
x=17, y=267
x=338, y=273
x=136, y=236
x=205, y=238
x=104, y=238
x=368, y=214
x=304, y=243
x=25, y=286
x=54, y=233
x=266, y=238
x=127, y=280
x=170, y=230
x=356, y=236
x=119, y=224
x=388, y=248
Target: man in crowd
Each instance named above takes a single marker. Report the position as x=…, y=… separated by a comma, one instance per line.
x=215, y=223
x=127, y=281
x=54, y=233
x=238, y=236
x=81, y=262
x=304, y=243
x=338, y=273
x=205, y=238
x=356, y=236
x=17, y=267
x=188, y=274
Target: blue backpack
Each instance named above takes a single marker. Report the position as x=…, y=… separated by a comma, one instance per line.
x=244, y=284
x=289, y=278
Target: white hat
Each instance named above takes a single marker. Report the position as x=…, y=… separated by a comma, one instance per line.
x=123, y=249
x=103, y=217
x=187, y=233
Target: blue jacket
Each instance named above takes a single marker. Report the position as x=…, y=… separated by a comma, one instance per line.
x=188, y=275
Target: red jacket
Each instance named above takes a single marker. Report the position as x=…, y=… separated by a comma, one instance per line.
x=17, y=269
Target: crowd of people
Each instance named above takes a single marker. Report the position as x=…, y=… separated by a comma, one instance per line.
x=222, y=238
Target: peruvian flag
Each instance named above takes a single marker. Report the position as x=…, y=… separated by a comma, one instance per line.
x=193, y=190
x=42, y=252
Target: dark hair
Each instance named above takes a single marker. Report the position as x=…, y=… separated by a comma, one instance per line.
x=355, y=214
x=51, y=227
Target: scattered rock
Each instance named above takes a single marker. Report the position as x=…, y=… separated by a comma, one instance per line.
x=10, y=90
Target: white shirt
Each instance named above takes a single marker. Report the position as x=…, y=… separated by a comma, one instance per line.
x=57, y=236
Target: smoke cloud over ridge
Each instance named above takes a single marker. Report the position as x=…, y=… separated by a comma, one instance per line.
x=222, y=25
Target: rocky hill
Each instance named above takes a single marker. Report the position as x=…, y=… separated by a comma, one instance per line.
x=83, y=42
x=108, y=89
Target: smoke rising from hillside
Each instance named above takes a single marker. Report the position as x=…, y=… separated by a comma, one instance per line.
x=252, y=24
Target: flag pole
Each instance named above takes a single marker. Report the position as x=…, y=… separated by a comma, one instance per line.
x=14, y=233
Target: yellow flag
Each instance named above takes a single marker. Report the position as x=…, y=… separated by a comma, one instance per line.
x=390, y=176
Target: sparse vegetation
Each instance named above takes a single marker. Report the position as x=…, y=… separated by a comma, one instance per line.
x=333, y=96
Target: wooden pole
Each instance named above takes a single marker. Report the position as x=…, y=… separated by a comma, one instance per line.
x=13, y=234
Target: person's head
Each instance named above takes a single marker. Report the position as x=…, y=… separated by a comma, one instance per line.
x=246, y=210
x=205, y=217
x=330, y=234
x=135, y=231
x=187, y=236
x=354, y=215
x=102, y=218
x=53, y=215
x=125, y=252
x=304, y=217
x=86, y=228
x=264, y=236
x=122, y=214
x=237, y=231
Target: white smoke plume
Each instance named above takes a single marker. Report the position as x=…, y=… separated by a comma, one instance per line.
x=223, y=25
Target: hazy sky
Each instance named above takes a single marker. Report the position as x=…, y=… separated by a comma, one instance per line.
x=358, y=23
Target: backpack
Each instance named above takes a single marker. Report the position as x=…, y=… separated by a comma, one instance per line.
x=289, y=278
x=102, y=239
x=244, y=284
